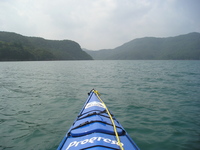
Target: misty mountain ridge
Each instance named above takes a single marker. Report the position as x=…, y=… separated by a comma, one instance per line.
x=15, y=47
x=182, y=47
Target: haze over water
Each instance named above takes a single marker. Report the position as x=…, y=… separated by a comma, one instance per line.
x=157, y=102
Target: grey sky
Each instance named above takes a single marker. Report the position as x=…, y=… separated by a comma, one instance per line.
x=98, y=24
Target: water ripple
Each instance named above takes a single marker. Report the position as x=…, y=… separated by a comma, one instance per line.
x=157, y=102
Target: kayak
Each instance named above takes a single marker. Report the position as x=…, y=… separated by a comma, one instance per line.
x=96, y=128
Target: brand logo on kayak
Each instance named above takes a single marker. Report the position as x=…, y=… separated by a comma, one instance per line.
x=91, y=104
x=92, y=140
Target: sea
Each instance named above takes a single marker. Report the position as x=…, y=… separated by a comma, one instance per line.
x=156, y=101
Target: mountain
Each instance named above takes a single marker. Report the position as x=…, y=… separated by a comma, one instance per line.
x=18, y=47
x=182, y=47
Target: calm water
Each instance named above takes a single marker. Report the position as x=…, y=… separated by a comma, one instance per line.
x=157, y=102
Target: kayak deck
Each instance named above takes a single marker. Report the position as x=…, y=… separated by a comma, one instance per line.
x=96, y=128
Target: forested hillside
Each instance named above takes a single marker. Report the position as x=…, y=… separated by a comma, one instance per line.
x=14, y=47
x=183, y=47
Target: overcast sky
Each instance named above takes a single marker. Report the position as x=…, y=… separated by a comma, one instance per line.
x=100, y=24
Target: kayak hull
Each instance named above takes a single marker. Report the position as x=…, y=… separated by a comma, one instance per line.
x=93, y=129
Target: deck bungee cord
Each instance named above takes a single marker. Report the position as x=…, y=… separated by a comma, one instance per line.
x=111, y=119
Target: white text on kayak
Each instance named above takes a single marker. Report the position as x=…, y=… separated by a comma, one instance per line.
x=92, y=140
